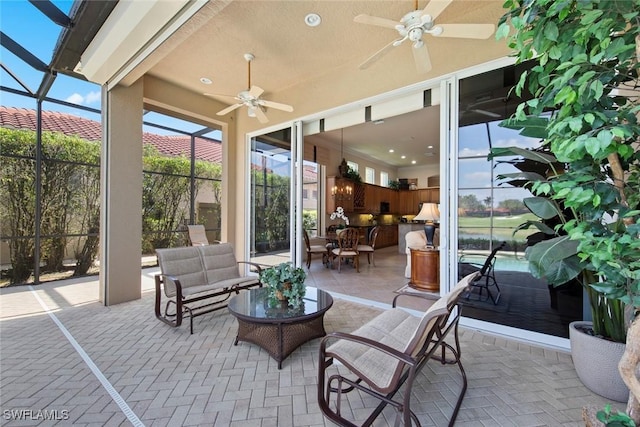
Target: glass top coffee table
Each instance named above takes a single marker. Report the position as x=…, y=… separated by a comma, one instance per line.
x=276, y=327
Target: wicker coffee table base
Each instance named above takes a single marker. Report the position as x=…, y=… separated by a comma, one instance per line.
x=281, y=339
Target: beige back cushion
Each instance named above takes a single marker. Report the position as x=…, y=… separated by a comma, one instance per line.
x=442, y=306
x=219, y=262
x=182, y=263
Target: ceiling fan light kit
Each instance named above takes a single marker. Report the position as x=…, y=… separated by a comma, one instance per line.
x=415, y=24
x=250, y=98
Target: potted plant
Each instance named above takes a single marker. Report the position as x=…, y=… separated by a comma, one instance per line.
x=554, y=257
x=586, y=74
x=285, y=283
x=352, y=174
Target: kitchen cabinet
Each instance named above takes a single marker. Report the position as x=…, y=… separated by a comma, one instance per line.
x=409, y=200
x=387, y=236
x=357, y=197
x=391, y=196
x=372, y=198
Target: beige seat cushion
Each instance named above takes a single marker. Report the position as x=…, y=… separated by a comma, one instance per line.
x=394, y=328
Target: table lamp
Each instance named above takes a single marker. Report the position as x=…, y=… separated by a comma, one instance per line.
x=428, y=214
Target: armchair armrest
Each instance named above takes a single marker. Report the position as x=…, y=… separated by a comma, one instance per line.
x=428, y=297
x=253, y=264
x=162, y=278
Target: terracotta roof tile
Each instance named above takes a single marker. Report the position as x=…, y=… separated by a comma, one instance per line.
x=173, y=145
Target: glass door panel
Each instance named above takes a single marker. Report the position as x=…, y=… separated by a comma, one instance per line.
x=274, y=195
x=489, y=213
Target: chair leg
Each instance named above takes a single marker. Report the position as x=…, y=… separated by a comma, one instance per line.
x=308, y=260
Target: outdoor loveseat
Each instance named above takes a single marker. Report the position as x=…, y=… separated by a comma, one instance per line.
x=197, y=280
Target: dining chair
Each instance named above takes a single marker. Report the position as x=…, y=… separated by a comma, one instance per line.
x=370, y=248
x=331, y=243
x=347, y=247
x=313, y=249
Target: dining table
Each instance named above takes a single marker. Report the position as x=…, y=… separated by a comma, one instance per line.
x=332, y=243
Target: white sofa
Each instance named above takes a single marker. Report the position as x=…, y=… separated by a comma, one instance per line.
x=417, y=239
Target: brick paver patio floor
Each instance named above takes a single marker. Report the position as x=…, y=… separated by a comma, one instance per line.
x=66, y=356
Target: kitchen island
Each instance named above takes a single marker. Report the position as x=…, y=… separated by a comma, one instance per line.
x=403, y=229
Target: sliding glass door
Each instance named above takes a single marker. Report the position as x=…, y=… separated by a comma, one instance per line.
x=489, y=213
x=276, y=192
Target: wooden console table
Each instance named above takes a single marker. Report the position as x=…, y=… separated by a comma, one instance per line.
x=425, y=269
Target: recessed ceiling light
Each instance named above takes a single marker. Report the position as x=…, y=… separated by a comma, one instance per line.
x=391, y=150
x=413, y=162
x=430, y=146
x=403, y=157
x=205, y=80
x=312, y=20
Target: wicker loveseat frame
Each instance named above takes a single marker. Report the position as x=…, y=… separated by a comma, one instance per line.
x=388, y=353
x=197, y=280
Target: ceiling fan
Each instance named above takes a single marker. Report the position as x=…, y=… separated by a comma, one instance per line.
x=414, y=25
x=477, y=107
x=251, y=99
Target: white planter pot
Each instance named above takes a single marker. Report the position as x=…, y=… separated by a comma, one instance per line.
x=596, y=362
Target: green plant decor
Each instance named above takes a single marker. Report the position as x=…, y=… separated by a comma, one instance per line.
x=394, y=185
x=584, y=73
x=614, y=419
x=555, y=257
x=353, y=175
x=286, y=279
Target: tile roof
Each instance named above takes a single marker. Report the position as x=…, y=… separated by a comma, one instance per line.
x=172, y=145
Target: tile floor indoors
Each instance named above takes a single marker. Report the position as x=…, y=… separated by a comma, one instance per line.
x=64, y=355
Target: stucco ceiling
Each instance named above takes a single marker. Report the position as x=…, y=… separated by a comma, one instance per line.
x=316, y=68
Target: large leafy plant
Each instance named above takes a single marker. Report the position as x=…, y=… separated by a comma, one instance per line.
x=555, y=257
x=586, y=72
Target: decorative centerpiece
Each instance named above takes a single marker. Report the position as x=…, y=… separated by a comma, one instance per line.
x=339, y=214
x=285, y=283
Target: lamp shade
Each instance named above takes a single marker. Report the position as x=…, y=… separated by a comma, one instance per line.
x=428, y=213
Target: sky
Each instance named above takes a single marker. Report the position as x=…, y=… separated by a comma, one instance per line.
x=30, y=28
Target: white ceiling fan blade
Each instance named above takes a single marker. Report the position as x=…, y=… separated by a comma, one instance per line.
x=435, y=7
x=466, y=31
x=487, y=113
x=421, y=58
x=262, y=117
x=276, y=105
x=379, y=54
x=217, y=95
x=374, y=20
x=256, y=91
x=229, y=109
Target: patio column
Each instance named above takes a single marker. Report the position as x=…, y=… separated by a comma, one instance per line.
x=121, y=194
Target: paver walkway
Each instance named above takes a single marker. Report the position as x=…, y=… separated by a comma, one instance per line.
x=52, y=364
